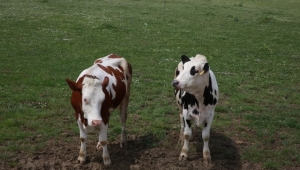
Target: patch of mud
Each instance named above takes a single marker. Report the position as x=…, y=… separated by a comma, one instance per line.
x=138, y=155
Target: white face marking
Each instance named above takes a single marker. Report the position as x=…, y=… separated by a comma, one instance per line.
x=92, y=98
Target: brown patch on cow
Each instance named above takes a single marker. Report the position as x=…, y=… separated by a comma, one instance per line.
x=103, y=143
x=105, y=114
x=120, y=86
x=121, y=68
x=105, y=69
x=206, y=138
x=98, y=61
x=82, y=140
x=184, y=151
x=105, y=82
x=90, y=76
x=114, y=56
x=186, y=137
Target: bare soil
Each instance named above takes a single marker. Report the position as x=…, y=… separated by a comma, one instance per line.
x=139, y=154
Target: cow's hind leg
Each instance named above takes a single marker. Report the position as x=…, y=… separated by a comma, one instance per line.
x=123, y=115
x=83, y=138
x=103, y=143
x=205, y=137
x=187, y=135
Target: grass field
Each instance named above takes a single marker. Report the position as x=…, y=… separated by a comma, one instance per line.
x=252, y=47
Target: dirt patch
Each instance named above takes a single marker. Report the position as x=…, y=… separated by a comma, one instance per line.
x=139, y=154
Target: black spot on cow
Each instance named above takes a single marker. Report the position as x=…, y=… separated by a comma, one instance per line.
x=189, y=99
x=184, y=59
x=183, y=121
x=189, y=123
x=195, y=112
x=177, y=72
x=205, y=124
x=208, y=96
x=193, y=71
x=206, y=67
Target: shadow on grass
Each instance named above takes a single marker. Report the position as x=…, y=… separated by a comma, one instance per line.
x=123, y=158
x=224, y=153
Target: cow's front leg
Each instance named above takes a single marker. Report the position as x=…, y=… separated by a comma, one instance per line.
x=205, y=137
x=181, y=136
x=187, y=135
x=83, y=137
x=103, y=143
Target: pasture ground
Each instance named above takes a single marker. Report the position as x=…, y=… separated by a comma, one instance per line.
x=251, y=45
x=137, y=155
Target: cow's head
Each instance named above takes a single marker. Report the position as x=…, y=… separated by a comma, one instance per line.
x=190, y=72
x=88, y=97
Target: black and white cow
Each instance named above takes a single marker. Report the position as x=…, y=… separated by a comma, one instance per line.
x=197, y=94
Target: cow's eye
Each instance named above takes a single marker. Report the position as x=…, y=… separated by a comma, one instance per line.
x=177, y=72
x=193, y=71
x=85, y=101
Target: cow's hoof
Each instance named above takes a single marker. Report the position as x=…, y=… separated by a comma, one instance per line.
x=207, y=161
x=106, y=161
x=123, y=144
x=81, y=160
x=183, y=157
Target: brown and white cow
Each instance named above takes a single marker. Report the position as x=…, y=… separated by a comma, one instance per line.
x=97, y=91
x=197, y=94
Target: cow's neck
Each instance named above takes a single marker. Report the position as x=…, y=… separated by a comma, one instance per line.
x=203, y=82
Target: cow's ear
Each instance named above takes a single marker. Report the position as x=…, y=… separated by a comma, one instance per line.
x=73, y=85
x=105, y=82
x=204, y=69
x=184, y=59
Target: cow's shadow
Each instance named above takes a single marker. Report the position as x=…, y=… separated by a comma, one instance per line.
x=225, y=154
x=123, y=158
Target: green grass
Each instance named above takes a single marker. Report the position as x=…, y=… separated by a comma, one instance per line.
x=252, y=46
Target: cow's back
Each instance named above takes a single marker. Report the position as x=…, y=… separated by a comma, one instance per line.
x=119, y=73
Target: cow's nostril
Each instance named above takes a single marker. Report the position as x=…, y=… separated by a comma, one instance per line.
x=175, y=83
x=96, y=122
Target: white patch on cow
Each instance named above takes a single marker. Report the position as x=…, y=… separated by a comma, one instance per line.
x=92, y=98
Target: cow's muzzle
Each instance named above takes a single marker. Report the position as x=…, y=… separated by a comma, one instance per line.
x=175, y=83
x=96, y=122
